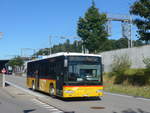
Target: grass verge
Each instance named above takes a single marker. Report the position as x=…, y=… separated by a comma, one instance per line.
x=140, y=91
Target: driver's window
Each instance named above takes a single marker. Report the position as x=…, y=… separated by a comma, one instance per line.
x=94, y=73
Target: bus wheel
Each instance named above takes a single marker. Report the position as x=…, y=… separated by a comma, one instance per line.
x=33, y=85
x=51, y=90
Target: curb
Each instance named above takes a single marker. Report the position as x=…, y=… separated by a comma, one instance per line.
x=25, y=90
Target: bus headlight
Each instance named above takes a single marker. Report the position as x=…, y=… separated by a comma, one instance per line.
x=68, y=91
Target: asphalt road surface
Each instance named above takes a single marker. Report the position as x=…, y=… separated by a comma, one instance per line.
x=13, y=100
x=110, y=103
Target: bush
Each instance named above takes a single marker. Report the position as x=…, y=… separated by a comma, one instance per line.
x=147, y=62
x=147, y=74
x=124, y=75
x=136, y=76
x=119, y=66
x=147, y=71
x=132, y=72
x=120, y=63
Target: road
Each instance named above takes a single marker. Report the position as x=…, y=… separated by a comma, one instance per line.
x=13, y=100
x=110, y=103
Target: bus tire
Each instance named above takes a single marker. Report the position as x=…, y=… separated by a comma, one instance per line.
x=51, y=90
x=33, y=86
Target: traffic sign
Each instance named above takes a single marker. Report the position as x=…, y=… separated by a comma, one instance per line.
x=3, y=70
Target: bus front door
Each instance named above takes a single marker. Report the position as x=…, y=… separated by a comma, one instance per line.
x=36, y=81
x=59, y=84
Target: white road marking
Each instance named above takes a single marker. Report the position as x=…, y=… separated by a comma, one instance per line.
x=49, y=107
x=46, y=106
x=127, y=96
x=57, y=112
x=117, y=95
x=53, y=109
x=143, y=99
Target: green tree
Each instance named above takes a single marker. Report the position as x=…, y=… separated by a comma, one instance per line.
x=147, y=62
x=44, y=51
x=17, y=61
x=141, y=9
x=108, y=45
x=76, y=46
x=91, y=29
x=137, y=43
x=121, y=43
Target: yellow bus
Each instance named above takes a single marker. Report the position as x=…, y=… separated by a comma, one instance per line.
x=67, y=75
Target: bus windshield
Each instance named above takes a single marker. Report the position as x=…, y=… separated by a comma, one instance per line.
x=84, y=70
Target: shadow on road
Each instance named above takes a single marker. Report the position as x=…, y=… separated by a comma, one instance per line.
x=132, y=111
x=80, y=99
x=29, y=110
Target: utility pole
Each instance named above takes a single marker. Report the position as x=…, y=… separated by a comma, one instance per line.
x=126, y=24
x=68, y=46
x=50, y=44
x=131, y=45
x=83, y=49
x=26, y=49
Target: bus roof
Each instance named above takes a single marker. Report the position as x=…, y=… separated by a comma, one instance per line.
x=65, y=54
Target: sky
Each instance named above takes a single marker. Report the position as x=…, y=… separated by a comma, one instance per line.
x=30, y=23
